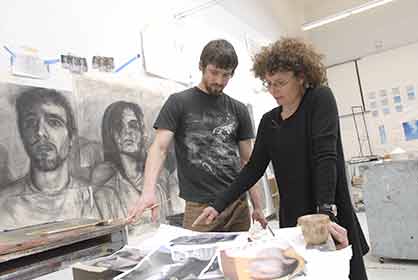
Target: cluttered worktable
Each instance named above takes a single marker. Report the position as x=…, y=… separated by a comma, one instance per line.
x=97, y=251
x=175, y=253
x=32, y=251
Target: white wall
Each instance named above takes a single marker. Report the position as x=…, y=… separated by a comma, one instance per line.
x=380, y=29
x=342, y=79
x=383, y=76
x=109, y=28
x=392, y=69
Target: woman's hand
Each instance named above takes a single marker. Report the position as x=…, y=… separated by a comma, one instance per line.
x=339, y=234
x=258, y=216
x=208, y=215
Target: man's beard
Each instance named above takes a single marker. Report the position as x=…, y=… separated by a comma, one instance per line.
x=214, y=89
x=46, y=163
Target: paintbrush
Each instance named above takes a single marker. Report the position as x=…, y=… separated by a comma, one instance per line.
x=271, y=231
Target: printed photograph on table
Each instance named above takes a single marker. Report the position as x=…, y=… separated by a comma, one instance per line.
x=185, y=257
x=159, y=265
x=123, y=260
x=410, y=130
x=261, y=262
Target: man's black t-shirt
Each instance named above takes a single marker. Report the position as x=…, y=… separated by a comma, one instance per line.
x=207, y=130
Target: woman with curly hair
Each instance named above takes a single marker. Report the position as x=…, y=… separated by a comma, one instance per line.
x=301, y=137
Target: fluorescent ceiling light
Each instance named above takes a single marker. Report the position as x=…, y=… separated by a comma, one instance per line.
x=346, y=13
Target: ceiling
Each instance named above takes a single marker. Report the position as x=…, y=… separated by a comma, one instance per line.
x=376, y=30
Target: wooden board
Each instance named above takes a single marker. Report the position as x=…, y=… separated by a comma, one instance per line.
x=36, y=236
x=33, y=251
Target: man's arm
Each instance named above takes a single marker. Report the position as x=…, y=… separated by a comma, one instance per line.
x=245, y=149
x=157, y=154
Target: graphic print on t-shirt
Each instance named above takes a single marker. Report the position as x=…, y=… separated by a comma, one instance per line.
x=211, y=145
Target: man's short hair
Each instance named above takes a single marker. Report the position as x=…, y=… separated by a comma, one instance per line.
x=35, y=96
x=220, y=53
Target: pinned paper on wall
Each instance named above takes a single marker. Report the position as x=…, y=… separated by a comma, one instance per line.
x=383, y=93
x=382, y=134
x=27, y=63
x=103, y=63
x=373, y=104
x=74, y=63
x=410, y=92
x=372, y=95
x=172, y=63
x=395, y=91
x=410, y=130
x=397, y=99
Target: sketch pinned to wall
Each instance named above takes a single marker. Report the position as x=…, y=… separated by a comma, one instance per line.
x=39, y=131
x=410, y=130
x=121, y=118
x=410, y=92
x=382, y=134
x=375, y=113
x=172, y=63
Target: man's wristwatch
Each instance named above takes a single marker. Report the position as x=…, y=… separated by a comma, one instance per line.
x=328, y=209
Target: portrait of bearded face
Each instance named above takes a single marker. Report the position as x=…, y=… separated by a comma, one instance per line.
x=46, y=126
x=45, y=136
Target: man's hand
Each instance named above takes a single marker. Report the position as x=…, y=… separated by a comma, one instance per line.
x=258, y=216
x=208, y=215
x=146, y=201
x=339, y=234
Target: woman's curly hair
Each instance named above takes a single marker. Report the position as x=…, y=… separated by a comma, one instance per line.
x=291, y=54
